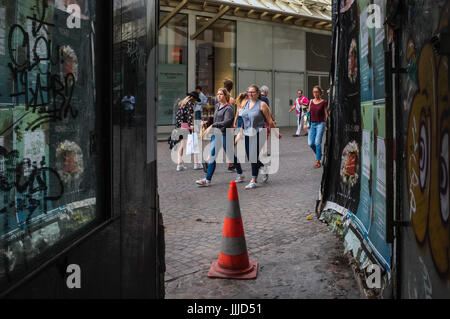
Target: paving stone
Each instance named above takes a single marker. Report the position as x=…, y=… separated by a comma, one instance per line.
x=295, y=255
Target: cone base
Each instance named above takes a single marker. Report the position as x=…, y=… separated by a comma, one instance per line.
x=215, y=271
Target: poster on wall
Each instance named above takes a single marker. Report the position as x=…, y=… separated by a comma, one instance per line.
x=378, y=54
x=370, y=218
x=356, y=173
x=172, y=87
x=377, y=231
x=363, y=215
x=343, y=168
x=366, y=38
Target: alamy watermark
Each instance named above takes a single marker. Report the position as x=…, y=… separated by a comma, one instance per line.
x=74, y=278
x=258, y=145
x=74, y=18
x=373, y=16
x=373, y=280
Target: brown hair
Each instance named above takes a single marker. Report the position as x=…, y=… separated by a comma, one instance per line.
x=228, y=84
x=225, y=92
x=258, y=92
x=319, y=88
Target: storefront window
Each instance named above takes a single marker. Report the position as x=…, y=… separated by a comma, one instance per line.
x=216, y=55
x=172, y=66
x=48, y=177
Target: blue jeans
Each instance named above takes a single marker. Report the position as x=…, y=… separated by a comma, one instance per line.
x=212, y=159
x=252, y=156
x=315, y=138
x=240, y=121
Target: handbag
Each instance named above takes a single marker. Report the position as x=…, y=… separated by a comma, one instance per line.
x=308, y=115
x=185, y=125
x=192, y=144
x=308, y=119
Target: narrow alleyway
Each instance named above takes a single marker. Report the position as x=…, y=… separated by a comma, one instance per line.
x=298, y=258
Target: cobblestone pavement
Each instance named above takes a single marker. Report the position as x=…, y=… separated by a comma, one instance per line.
x=298, y=258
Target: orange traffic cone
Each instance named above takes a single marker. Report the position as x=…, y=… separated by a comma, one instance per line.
x=233, y=257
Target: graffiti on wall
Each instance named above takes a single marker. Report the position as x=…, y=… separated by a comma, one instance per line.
x=32, y=57
x=44, y=123
x=427, y=150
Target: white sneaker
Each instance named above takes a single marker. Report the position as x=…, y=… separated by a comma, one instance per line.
x=251, y=185
x=181, y=168
x=240, y=178
x=198, y=166
x=203, y=182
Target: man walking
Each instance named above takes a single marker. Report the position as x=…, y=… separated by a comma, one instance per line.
x=301, y=108
x=128, y=102
x=198, y=105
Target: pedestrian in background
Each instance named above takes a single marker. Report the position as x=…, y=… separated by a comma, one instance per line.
x=228, y=84
x=223, y=119
x=319, y=114
x=185, y=121
x=128, y=103
x=240, y=105
x=254, y=115
x=301, y=108
x=199, y=105
x=263, y=97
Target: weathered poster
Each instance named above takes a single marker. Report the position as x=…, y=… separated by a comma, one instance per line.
x=377, y=230
x=366, y=43
x=371, y=215
x=343, y=168
x=363, y=214
x=356, y=179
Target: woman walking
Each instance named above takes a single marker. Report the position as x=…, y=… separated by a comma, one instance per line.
x=223, y=119
x=228, y=84
x=184, y=121
x=319, y=114
x=255, y=113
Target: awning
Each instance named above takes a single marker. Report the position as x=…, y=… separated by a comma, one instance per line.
x=307, y=13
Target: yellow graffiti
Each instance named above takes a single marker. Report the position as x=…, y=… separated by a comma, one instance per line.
x=428, y=155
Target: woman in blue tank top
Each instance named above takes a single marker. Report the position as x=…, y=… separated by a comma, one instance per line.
x=255, y=113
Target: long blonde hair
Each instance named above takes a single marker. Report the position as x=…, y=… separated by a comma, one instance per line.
x=184, y=101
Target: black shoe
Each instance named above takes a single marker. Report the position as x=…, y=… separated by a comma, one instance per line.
x=231, y=169
x=295, y=135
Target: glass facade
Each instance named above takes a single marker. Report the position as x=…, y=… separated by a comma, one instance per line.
x=172, y=66
x=48, y=173
x=215, y=55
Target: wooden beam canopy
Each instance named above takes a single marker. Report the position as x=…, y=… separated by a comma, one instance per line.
x=216, y=17
x=173, y=13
